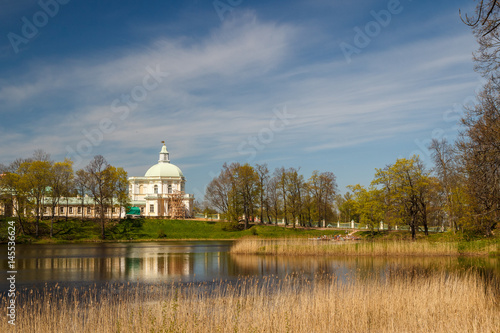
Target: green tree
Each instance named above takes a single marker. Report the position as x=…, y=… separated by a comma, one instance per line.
x=121, y=188
x=246, y=189
x=346, y=206
x=407, y=184
x=16, y=193
x=35, y=175
x=369, y=204
x=117, y=185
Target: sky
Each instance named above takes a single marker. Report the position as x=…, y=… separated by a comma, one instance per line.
x=328, y=85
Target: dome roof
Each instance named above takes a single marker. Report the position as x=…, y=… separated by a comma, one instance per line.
x=164, y=170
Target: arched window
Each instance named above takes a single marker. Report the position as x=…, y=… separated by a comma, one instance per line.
x=141, y=189
x=156, y=189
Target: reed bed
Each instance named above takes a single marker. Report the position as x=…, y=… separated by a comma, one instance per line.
x=304, y=247
x=436, y=303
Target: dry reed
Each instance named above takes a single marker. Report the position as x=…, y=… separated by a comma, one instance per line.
x=400, y=303
x=362, y=248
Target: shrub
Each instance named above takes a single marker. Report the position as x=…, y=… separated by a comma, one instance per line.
x=231, y=226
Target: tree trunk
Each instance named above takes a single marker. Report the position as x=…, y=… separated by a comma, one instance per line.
x=52, y=222
x=103, y=236
x=67, y=209
x=83, y=208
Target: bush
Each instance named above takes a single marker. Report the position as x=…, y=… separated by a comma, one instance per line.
x=231, y=226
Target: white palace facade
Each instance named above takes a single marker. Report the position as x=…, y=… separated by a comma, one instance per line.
x=161, y=191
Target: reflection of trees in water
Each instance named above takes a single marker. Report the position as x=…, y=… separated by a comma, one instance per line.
x=486, y=268
x=151, y=263
x=354, y=268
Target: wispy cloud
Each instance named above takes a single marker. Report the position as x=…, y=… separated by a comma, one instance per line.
x=221, y=89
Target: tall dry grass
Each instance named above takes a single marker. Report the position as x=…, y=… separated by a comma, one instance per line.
x=360, y=248
x=401, y=303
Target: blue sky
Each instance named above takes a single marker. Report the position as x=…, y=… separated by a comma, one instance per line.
x=341, y=86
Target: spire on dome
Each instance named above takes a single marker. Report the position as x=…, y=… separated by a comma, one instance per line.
x=164, y=155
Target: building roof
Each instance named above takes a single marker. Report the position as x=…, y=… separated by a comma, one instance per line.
x=164, y=170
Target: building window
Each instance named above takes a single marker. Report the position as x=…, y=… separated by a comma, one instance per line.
x=156, y=189
x=88, y=210
x=71, y=210
x=114, y=210
x=45, y=210
x=169, y=188
x=142, y=210
x=141, y=189
x=151, y=208
x=79, y=210
x=61, y=210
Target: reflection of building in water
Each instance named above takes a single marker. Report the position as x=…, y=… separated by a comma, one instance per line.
x=151, y=267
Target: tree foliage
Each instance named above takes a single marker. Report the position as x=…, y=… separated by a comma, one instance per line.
x=407, y=184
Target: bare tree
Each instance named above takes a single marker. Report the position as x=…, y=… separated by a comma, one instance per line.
x=60, y=180
x=273, y=197
x=280, y=175
x=480, y=148
x=263, y=177
x=294, y=187
x=81, y=185
x=218, y=191
x=97, y=186
x=323, y=188
x=446, y=168
x=485, y=23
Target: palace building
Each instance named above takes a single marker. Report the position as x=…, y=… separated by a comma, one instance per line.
x=161, y=192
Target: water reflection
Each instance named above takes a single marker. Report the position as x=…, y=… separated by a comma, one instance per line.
x=205, y=261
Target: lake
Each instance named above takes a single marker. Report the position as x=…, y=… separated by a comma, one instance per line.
x=98, y=264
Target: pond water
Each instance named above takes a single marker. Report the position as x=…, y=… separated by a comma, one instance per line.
x=200, y=261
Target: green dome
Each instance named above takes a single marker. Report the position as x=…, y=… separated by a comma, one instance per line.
x=164, y=170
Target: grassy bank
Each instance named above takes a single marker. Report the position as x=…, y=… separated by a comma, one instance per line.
x=437, y=303
x=298, y=247
x=153, y=229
